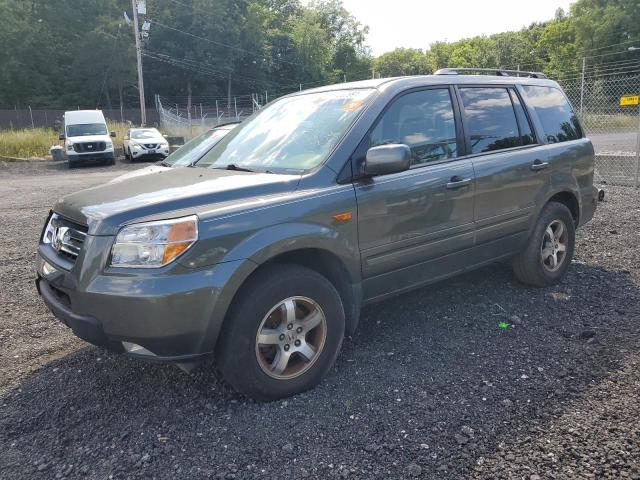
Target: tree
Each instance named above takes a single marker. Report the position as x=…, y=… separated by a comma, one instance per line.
x=402, y=61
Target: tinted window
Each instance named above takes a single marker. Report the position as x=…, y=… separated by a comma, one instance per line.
x=489, y=119
x=527, y=136
x=559, y=122
x=422, y=120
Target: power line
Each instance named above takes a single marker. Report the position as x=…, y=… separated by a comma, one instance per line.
x=568, y=57
x=222, y=44
x=207, y=69
x=612, y=45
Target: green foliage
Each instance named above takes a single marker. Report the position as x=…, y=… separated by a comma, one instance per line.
x=75, y=53
x=600, y=30
x=402, y=61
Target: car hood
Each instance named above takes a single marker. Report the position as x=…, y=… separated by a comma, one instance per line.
x=155, y=140
x=167, y=194
x=89, y=138
x=141, y=171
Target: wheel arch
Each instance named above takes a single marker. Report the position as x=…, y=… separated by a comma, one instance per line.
x=570, y=200
x=323, y=261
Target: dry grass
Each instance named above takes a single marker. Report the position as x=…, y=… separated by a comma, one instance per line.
x=35, y=143
x=27, y=143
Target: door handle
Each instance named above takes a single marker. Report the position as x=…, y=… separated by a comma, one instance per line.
x=539, y=165
x=458, y=182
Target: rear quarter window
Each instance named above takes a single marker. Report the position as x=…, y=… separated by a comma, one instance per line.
x=559, y=122
x=490, y=119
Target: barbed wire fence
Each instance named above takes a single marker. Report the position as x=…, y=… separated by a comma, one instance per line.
x=189, y=119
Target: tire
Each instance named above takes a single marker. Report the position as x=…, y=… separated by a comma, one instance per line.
x=126, y=155
x=72, y=164
x=263, y=305
x=535, y=265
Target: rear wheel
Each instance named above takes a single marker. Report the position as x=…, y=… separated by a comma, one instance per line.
x=549, y=251
x=283, y=335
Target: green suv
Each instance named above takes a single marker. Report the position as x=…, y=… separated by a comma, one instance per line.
x=264, y=252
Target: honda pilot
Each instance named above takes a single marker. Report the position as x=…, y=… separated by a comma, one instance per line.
x=264, y=252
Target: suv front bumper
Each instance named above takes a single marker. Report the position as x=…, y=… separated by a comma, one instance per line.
x=171, y=316
x=158, y=154
x=77, y=158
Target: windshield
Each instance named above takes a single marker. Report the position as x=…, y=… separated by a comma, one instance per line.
x=195, y=148
x=146, y=133
x=294, y=133
x=84, y=129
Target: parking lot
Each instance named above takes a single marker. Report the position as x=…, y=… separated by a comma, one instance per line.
x=430, y=386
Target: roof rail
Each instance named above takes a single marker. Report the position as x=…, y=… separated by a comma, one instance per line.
x=500, y=72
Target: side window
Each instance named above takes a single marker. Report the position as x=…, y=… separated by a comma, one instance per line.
x=527, y=137
x=559, y=122
x=490, y=119
x=422, y=120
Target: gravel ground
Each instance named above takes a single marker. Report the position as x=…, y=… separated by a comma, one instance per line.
x=429, y=387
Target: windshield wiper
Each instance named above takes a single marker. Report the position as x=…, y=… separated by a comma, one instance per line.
x=233, y=166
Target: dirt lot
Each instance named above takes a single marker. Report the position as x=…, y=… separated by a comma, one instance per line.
x=429, y=387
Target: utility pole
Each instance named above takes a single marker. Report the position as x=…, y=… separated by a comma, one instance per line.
x=143, y=112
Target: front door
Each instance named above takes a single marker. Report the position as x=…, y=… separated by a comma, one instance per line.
x=413, y=224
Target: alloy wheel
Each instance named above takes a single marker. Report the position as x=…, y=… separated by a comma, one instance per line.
x=290, y=338
x=553, y=249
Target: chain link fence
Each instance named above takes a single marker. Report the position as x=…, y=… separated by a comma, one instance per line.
x=613, y=129
x=187, y=121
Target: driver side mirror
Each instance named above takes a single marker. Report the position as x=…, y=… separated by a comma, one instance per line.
x=61, y=137
x=113, y=134
x=384, y=159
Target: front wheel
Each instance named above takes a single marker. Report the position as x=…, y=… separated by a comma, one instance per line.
x=549, y=250
x=283, y=335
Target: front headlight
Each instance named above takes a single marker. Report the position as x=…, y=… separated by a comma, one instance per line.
x=108, y=144
x=135, y=145
x=153, y=244
x=69, y=145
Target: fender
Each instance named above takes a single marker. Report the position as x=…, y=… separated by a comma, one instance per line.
x=274, y=240
x=566, y=189
x=270, y=242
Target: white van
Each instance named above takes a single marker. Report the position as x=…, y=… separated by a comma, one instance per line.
x=86, y=137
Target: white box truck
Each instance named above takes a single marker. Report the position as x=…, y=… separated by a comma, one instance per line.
x=86, y=138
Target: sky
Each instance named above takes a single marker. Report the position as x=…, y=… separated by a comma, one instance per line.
x=418, y=23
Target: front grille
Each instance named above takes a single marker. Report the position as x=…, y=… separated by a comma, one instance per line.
x=86, y=147
x=150, y=146
x=64, y=236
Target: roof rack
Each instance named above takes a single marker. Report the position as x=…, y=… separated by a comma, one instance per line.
x=500, y=72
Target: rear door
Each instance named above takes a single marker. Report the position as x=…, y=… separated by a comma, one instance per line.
x=413, y=224
x=510, y=167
